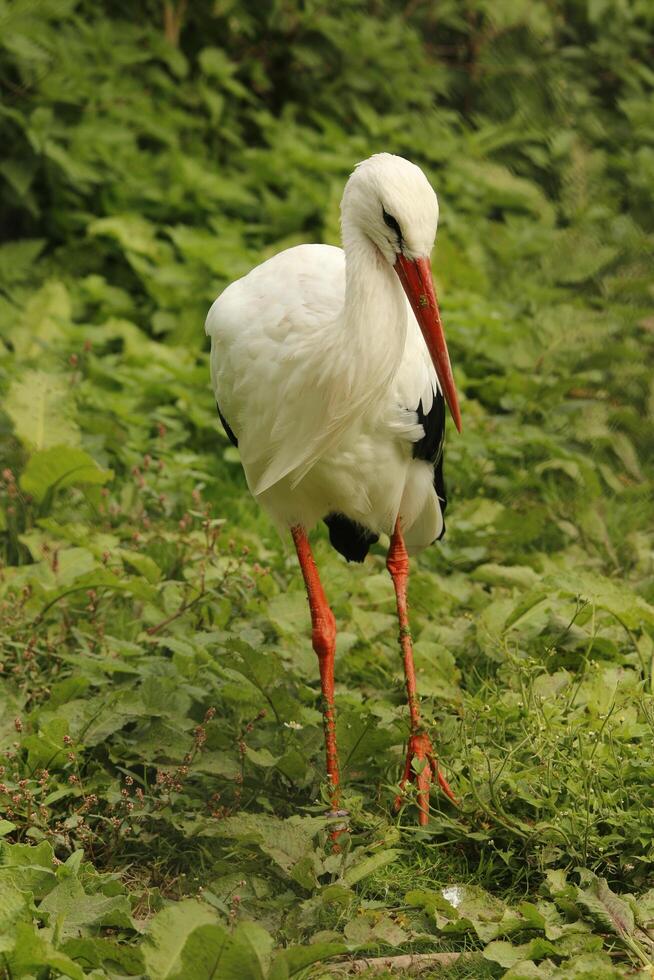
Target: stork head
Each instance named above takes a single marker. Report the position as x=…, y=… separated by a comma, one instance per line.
x=392, y=203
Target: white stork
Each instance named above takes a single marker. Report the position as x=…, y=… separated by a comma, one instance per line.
x=330, y=371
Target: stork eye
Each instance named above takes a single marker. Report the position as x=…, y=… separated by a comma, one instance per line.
x=392, y=223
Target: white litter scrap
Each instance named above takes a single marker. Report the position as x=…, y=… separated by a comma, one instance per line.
x=453, y=894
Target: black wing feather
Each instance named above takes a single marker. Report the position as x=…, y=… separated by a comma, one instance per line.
x=431, y=446
x=229, y=432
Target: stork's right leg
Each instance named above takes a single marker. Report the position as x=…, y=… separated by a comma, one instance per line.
x=323, y=635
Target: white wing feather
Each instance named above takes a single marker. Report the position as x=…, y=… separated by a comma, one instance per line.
x=270, y=335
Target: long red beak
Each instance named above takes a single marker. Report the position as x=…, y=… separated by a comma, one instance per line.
x=415, y=276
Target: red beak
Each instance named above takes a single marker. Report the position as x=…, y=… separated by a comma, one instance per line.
x=415, y=276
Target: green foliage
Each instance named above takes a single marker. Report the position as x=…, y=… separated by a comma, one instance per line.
x=162, y=787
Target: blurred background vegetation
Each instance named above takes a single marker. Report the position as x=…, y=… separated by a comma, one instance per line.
x=153, y=152
x=182, y=153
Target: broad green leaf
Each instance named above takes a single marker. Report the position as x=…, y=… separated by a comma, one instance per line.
x=72, y=911
x=292, y=961
x=431, y=901
x=607, y=908
x=591, y=966
x=506, y=954
x=508, y=190
x=100, y=579
x=461, y=908
x=248, y=955
x=528, y=970
x=525, y=608
x=103, y=954
x=42, y=410
x=370, y=930
x=31, y=952
x=643, y=908
x=617, y=598
x=202, y=956
x=13, y=905
x=142, y=564
x=46, y=748
x=131, y=231
x=167, y=934
x=261, y=757
x=44, y=321
x=28, y=867
x=61, y=466
x=288, y=843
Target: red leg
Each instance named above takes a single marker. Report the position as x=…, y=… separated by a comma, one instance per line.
x=323, y=636
x=420, y=747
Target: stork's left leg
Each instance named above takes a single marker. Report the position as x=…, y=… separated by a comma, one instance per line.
x=420, y=747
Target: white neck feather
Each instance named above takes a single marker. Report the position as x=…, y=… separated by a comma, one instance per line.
x=373, y=320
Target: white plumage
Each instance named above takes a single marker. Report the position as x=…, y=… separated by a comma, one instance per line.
x=330, y=368
x=318, y=364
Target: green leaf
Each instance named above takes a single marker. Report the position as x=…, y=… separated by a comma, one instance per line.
x=506, y=575
x=369, y=865
x=46, y=748
x=214, y=62
x=461, y=908
x=131, y=231
x=61, y=466
x=99, y=578
x=528, y=970
x=31, y=952
x=13, y=905
x=248, y=955
x=373, y=928
x=103, y=954
x=261, y=757
x=203, y=952
x=142, y=564
x=506, y=954
x=28, y=867
x=289, y=962
x=43, y=323
x=605, y=907
x=289, y=843
x=430, y=901
x=16, y=258
x=167, y=935
x=588, y=966
x=644, y=909
x=525, y=607
x=72, y=911
x=42, y=410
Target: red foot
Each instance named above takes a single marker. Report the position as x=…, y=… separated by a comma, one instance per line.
x=420, y=748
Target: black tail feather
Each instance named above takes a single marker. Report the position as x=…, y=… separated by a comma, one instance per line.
x=352, y=540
